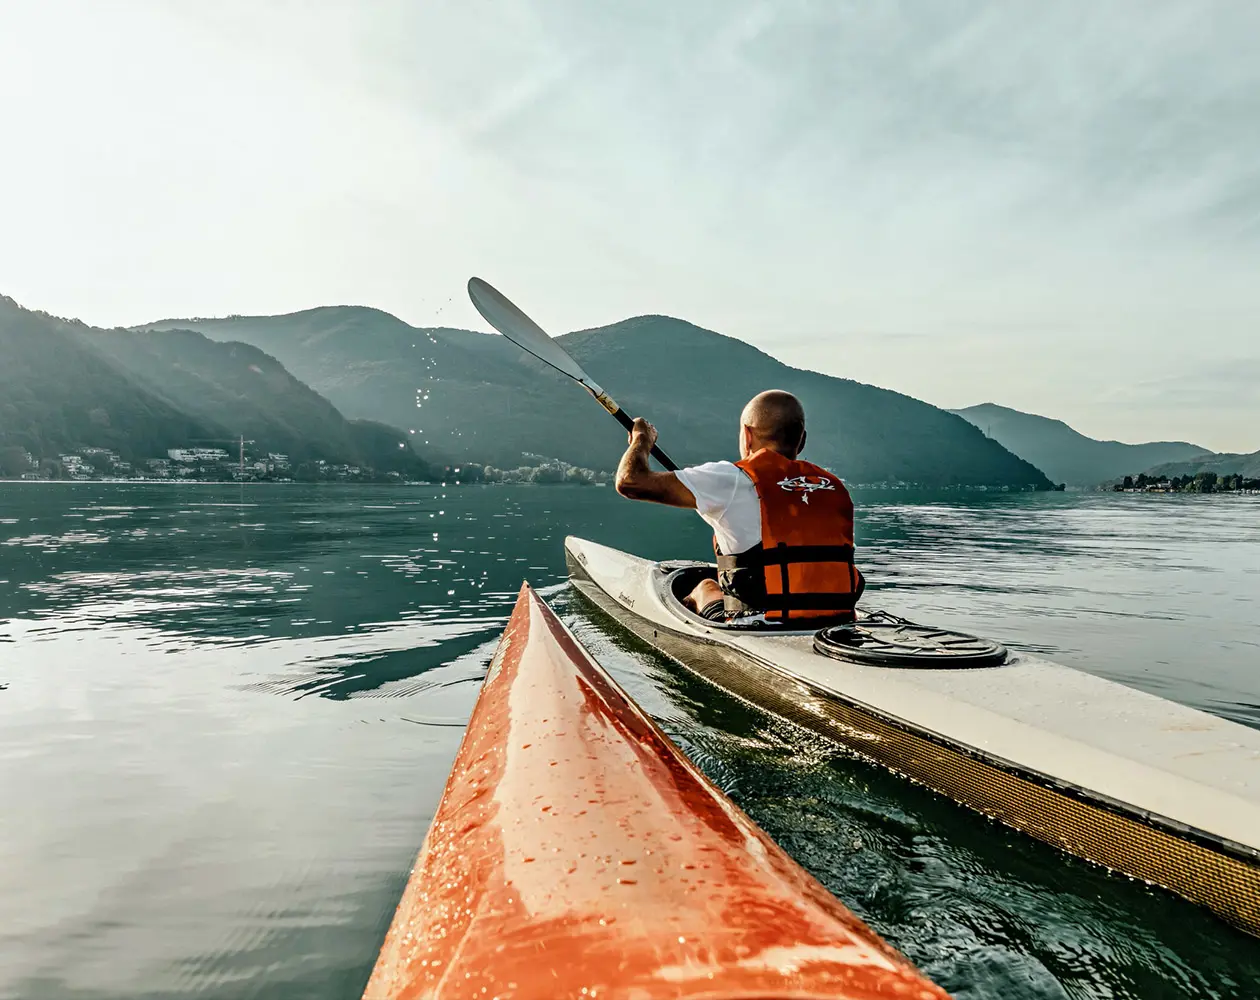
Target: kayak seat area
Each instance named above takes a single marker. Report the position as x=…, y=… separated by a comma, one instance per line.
x=675, y=580
x=876, y=639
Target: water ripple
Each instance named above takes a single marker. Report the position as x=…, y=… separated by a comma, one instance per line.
x=227, y=713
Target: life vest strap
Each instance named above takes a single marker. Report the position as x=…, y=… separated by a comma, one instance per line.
x=809, y=602
x=782, y=555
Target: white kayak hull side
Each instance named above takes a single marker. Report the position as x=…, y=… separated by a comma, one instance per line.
x=1157, y=790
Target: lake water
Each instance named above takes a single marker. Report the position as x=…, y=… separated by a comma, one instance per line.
x=227, y=713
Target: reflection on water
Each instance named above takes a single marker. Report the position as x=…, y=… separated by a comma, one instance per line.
x=226, y=715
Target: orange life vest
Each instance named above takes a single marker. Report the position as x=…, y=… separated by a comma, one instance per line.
x=803, y=567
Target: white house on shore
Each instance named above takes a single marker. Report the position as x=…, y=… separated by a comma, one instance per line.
x=197, y=454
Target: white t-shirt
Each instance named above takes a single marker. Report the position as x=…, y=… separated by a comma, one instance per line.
x=727, y=500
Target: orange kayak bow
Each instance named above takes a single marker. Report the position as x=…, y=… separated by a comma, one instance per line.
x=576, y=853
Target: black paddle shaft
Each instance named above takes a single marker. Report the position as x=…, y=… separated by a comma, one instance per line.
x=627, y=422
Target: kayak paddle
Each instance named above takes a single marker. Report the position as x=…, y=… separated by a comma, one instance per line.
x=510, y=321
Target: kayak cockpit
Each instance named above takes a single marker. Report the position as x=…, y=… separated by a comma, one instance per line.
x=676, y=579
x=876, y=638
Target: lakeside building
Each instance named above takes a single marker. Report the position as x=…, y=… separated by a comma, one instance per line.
x=197, y=454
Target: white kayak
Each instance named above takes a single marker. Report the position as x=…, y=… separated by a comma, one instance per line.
x=1145, y=786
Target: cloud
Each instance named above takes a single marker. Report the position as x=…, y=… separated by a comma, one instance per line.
x=1059, y=201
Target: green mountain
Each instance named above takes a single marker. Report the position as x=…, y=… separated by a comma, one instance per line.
x=476, y=397
x=237, y=386
x=66, y=385
x=1067, y=456
x=1222, y=463
x=57, y=395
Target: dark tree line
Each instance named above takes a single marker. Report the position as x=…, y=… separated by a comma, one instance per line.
x=1202, y=482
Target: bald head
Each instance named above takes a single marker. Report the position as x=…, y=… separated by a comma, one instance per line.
x=774, y=419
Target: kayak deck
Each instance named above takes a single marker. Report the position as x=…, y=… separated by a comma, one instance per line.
x=1142, y=785
x=577, y=853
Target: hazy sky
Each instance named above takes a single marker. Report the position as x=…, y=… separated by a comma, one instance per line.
x=1051, y=206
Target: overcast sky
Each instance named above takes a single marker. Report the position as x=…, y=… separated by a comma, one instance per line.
x=1055, y=207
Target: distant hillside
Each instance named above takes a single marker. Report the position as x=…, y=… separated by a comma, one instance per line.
x=473, y=396
x=1222, y=463
x=1067, y=456
x=65, y=385
x=238, y=386
x=56, y=394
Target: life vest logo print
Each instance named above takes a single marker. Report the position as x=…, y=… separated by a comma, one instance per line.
x=805, y=485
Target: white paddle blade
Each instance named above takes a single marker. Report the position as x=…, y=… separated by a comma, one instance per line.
x=505, y=317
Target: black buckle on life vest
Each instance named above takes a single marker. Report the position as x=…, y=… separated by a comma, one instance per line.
x=783, y=556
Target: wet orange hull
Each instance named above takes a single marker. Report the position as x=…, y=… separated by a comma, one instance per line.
x=577, y=853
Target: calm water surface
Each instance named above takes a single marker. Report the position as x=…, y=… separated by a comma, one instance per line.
x=226, y=715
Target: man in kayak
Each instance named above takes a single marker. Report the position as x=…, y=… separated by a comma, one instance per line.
x=782, y=528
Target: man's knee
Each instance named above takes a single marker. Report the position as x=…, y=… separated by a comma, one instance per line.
x=705, y=592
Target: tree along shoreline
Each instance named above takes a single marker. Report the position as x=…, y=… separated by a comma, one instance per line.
x=1203, y=482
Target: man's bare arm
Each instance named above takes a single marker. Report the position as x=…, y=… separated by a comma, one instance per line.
x=636, y=480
